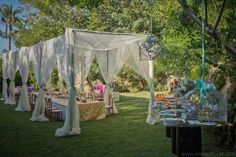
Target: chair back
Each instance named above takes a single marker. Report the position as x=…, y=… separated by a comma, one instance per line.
x=110, y=100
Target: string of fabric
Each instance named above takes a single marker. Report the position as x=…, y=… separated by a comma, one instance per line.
x=203, y=54
x=203, y=41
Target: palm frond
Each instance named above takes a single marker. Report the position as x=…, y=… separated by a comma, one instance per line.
x=4, y=6
x=3, y=34
x=17, y=11
x=2, y=20
x=5, y=51
x=10, y=19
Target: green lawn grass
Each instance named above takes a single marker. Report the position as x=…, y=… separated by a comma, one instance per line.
x=122, y=135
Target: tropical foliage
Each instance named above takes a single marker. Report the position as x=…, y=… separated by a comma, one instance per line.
x=10, y=19
x=175, y=23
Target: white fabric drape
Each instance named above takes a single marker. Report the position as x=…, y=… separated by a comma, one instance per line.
x=110, y=63
x=71, y=124
x=23, y=104
x=4, y=75
x=60, y=71
x=59, y=49
x=12, y=68
x=84, y=59
x=145, y=69
x=44, y=61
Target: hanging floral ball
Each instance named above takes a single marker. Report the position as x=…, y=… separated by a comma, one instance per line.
x=151, y=48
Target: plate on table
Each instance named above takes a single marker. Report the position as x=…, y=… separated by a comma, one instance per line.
x=168, y=115
x=194, y=122
x=209, y=123
x=169, y=97
x=173, y=121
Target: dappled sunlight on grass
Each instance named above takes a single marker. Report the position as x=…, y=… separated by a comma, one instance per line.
x=143, y=94
x=123, y=135
x=138, y=106
x=129, y=108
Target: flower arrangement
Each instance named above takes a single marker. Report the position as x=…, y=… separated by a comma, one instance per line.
x=195, y=98
x=160, y=97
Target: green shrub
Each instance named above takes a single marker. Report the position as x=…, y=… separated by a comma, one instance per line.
x=54, y=80
x=31, y=79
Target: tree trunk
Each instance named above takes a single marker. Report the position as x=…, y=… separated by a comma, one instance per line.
x=9, y=43
x=229, y=89
x=9, y=38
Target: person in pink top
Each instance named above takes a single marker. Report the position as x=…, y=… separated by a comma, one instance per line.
x=100, y=86
x=99, y=90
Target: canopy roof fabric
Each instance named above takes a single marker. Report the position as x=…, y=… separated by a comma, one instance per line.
x=104, y=41
x=76, y=50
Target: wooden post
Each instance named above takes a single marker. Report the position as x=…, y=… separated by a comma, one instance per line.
x=188, y=141
x=173, y=140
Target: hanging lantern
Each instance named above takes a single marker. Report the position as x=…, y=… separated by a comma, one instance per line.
x=150, y=49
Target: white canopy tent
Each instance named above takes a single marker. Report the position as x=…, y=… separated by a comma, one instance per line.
x=74, y=53
x=112, y=51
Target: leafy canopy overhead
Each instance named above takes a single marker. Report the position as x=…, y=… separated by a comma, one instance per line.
x=167, y=20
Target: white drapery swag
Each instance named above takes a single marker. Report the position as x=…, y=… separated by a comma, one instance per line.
x=145, y=69
x=4, y=75
x=71, y=124
x=60, y=49
x=83, y=61
x=110, y=63
x=23, y=104
x=12, y=68
x=44, y=61
x=60, y=71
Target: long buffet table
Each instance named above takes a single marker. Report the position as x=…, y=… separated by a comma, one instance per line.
x=93, y=110
x=185, y=134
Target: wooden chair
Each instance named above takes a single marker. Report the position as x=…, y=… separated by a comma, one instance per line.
x=50, y=112
x=32, y=100
x=109, y=108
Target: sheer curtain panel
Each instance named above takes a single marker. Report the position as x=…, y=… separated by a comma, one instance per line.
x=23, y=104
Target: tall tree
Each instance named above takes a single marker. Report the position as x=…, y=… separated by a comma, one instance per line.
x=221, y=28
x=50, y=20
x=210, y=29
x=9, y=19
x=168, y=20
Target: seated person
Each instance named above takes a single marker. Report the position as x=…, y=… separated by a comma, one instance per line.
x=172, y=84
x=99, y=90
x=30, y=89
x=17, y=91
